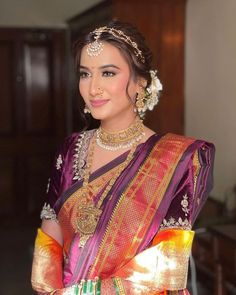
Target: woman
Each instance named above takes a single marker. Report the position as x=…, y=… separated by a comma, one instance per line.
x=122, y=199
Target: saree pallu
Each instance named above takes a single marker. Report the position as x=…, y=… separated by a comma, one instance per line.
x=138, y=246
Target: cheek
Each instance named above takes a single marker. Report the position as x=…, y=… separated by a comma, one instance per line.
x=83, y=93
x=119, y=86
x=82, y=89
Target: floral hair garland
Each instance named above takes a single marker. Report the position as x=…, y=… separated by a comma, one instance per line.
x=152, y=94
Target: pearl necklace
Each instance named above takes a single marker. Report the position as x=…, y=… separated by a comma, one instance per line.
x=122, y=139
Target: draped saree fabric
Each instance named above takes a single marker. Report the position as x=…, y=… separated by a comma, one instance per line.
x=143, y=238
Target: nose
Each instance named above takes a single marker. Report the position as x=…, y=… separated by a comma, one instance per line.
x=95, y=89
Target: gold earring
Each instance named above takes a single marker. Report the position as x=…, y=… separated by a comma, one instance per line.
x=140, y=100
x=86, y=110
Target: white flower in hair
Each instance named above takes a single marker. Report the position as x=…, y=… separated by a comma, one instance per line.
x=153, y=91
x=151, y=96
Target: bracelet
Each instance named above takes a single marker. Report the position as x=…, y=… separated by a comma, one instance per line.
x=118, y=286
x=85, y=287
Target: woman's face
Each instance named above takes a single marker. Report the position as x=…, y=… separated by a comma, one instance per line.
x=103, y=83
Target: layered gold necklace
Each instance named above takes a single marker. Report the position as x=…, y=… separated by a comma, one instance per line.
x=88, y=213
x=121, y=139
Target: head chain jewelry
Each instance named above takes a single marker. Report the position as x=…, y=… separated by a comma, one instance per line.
x=151, y=95
x=95, y=48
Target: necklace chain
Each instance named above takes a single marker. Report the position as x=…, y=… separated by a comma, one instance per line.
x=120, y=139
x=88, y=213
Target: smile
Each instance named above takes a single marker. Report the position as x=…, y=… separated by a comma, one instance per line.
x=98, y=102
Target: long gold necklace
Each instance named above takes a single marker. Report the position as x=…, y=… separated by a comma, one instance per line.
x=120, y=139
x=88, y=213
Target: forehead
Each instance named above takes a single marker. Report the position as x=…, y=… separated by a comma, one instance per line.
x=109, y=55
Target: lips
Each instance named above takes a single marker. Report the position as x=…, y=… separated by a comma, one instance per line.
x=98, y=102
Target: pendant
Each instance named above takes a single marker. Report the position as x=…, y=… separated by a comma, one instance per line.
x=88, y=216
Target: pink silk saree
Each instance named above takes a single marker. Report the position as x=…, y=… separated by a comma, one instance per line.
x=143, y=238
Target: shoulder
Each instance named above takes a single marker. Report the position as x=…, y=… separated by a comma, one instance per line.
x=75, y=140
x=172, y=137
x=187, y=146
x=191, y=141
x=148, y=133
x=171, y=141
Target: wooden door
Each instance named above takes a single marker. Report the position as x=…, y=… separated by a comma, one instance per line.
x=32, y=116
x=163, y=24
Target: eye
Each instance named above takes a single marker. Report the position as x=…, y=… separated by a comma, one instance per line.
x=108, y=74
x=83, y=74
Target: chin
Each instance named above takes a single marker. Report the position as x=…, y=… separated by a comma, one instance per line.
x=99, y=115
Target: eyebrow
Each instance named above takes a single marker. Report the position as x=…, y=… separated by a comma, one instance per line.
x=102, y=67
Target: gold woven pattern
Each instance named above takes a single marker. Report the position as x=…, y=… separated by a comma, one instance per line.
x=149, y=185
x=68, y=214
x=88, y=213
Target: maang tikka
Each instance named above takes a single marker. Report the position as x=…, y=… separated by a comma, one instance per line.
x=95, y=47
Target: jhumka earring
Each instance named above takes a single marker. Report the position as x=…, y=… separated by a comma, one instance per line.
x=86, y=110
x=140, y=101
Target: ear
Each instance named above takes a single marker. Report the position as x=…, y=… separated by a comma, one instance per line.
x=142, y=82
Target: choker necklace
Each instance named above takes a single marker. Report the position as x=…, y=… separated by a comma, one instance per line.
x=121, y=139
x=88, y=213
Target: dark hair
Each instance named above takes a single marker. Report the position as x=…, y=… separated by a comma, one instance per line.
x=138, y=68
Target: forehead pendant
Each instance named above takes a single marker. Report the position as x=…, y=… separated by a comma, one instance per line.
x=96, y=47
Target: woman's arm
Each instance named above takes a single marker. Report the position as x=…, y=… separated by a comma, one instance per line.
x=53, y=229
x=47, y=268
x=145, y=273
